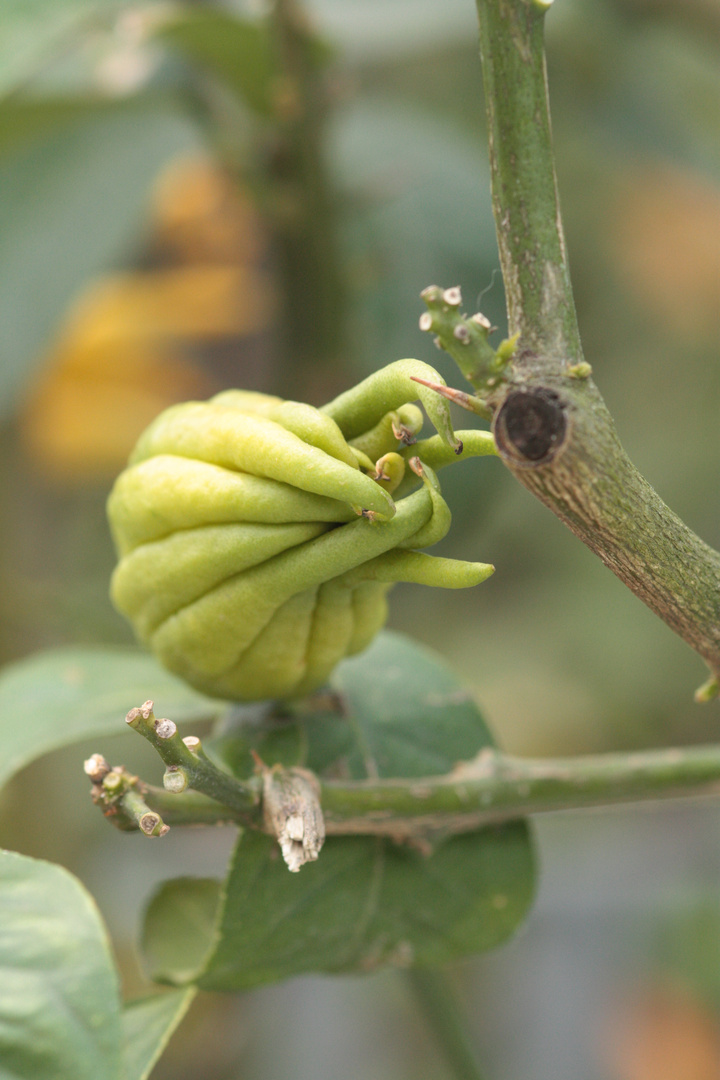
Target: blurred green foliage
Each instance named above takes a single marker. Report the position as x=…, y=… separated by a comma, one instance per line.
x=99, y=98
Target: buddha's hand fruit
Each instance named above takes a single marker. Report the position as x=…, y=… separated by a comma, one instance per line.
x=258, y=538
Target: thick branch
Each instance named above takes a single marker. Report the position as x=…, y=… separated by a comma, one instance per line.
x=495, y=788
x=524, y=189
x=551, y=425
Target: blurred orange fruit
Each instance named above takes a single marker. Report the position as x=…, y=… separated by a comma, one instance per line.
x=665, y=235
x=124, y=352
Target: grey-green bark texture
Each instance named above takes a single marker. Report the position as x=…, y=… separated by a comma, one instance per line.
x=491, y=789
x=552, y=427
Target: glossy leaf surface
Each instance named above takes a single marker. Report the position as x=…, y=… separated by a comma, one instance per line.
x=366, y=902
x=59, y=995
x=55, y=698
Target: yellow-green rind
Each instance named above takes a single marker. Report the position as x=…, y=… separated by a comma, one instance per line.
x=244, y=564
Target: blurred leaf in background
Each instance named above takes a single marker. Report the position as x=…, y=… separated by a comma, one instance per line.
x=32, y=31
x=74, y=202
x=129, y=348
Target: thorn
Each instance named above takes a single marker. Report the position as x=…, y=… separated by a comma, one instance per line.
x=465, y=401
x=260, y=766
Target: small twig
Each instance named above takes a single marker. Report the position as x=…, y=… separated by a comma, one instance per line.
x=491, y=789
x=196, y=791
x=198, y=771
x=465, y=338
x=118, y=792
x=190, y=807
x=149, y=822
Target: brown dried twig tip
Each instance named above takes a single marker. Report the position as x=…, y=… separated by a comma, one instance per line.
x=292, y=813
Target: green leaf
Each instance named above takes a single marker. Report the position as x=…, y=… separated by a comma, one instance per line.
x=148, y=1026
x=407, y=714
x=58, y=697
x=366, y=902
x=72, y=204
x=27, y=119
x=33, y=31
x=381, y=728
x=236, y=51
x=179, y=928
x=59, y=997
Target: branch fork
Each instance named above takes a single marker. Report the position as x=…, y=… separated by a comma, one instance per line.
x=298, y=809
